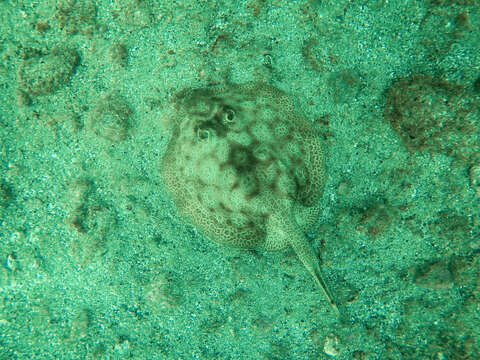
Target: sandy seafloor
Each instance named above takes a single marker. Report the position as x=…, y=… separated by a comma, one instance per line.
x=96, y=264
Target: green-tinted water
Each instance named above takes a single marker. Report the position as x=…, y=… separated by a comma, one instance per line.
x=95, y=262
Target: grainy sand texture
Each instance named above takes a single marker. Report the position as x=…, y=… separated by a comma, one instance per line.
x=97, y=263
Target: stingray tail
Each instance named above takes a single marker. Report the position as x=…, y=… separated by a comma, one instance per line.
x=305, y=253
x=319, y=280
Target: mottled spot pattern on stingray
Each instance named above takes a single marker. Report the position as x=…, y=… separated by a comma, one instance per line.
x=246, y=169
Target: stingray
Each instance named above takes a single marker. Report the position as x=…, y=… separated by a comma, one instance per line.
x=246, y=169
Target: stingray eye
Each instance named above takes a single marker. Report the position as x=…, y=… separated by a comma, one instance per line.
x=203, y=134
x=228, y=115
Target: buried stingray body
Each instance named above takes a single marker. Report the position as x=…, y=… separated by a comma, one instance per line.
x=246, y=169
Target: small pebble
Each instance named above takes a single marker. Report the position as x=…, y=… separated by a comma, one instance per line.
x=475, y=178
x=330, y=346
x=11, y=262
